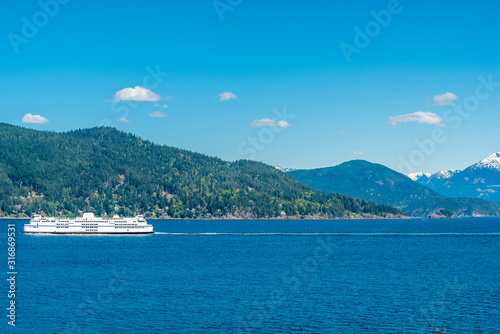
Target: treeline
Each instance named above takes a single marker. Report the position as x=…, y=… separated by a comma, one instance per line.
x=105, y=171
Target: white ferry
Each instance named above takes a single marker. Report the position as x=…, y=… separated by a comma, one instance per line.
x=88, y=224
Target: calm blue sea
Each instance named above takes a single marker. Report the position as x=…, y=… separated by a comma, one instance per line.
x=354, y=276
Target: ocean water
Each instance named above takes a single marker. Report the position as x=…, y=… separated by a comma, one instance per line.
x=352, y=276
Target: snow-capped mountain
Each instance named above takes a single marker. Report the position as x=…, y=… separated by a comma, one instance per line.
x=427, y=177
x=419, y=175
x=285, y=169
x=441, y=175
x=491, y=162
x=481, y=180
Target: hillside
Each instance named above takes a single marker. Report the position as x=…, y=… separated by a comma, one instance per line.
x=105, y=171
x=380, y=184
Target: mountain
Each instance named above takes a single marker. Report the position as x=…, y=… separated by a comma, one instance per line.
x=491, y=163
x=441, y=175
x=419, y=175
x=481, y=180
x=380, y=184
x=104, y=171
x=285, y=169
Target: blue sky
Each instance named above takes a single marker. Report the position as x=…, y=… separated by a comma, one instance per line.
x=300, y=102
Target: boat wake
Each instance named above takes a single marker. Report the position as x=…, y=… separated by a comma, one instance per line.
x=330, y=233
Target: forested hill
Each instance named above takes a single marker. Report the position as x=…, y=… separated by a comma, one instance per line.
x=105, y=171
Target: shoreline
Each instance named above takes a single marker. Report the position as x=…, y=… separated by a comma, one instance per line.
x=292, y=218
x=243, y=218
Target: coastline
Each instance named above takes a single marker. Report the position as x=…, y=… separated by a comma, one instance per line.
x=244, y=218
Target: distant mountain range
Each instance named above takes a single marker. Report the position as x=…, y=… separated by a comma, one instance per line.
x=481, y=180
x=380, y=184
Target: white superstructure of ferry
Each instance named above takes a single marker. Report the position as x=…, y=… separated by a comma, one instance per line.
x=88, y=224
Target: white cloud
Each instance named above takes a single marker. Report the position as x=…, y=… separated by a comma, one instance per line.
x=138, y=94
x=157, y=114
x=34, y=119
x=168, y=98
x=445, y=99
x=267, y=122
x=123, y=120
x=164, y=106
x=420, y=117
x=358, y=152
x=226, y=96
